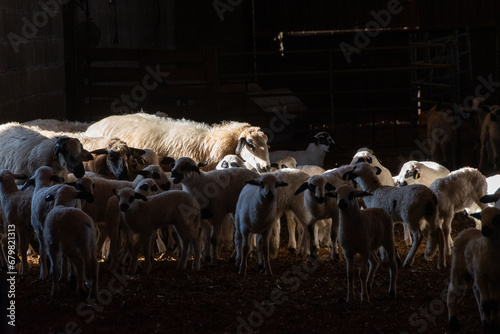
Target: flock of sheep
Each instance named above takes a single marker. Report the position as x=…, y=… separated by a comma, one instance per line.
x=115, y=186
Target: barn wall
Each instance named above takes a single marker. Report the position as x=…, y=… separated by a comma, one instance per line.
x=31, y=62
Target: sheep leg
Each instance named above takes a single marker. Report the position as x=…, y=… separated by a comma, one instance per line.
x=43, y=256
x=350, y=276
x=184, y=243
x=435, y=242
x=363, y=276
x=132, y=267
x=407, y=235
x=374, y=263
x=194, y=240
x=54, y=255
x=206, y=229
x=312, y=242
x=215, y=239
x=264, y=245
x=275, y=239
x=292, y=227
x=159, y=242
x=456, y=291
x=244, y=253
x=448, y=242
x=417, y=240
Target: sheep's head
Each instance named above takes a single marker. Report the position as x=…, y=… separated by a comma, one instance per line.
x=230, y=161
x=8, y=176
x=44, y=176
x=318, y=188
x=147, y=187
x=117, y=155
x=361, y=169
x=324, y=140
x=126, y=196
x=268, y=184
x=156, y=173
x=490, y=221
x=346, y=196
x=70, y=154
x=408, y=174
x=364, y=155
x=252, y=148
x=184, y=168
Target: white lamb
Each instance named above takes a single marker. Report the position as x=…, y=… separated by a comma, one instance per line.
x=475, y=256
x=23, y=150
x=16, y=207
x=178, y=138
x=460, y=190
x=70, y=232
x=366, y=155
x=43, y=180
x=314, y=154
x=144, y=215
x=364, y=232
x=409, y=204
x=420, y=172
x=217, y=192
x=255, y=213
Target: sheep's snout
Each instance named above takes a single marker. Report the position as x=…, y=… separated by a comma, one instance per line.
x=401, y=184
x=124, y=207
x=269, y=195
x=79, y=171
x=262, y=169
x=176, y=176
x=343, y=204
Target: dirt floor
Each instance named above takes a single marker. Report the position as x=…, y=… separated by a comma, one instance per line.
x=299, y=298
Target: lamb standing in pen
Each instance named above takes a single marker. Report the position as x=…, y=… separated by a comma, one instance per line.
x=409, y=204
x=461, y=190
x=366, y=155
x=475, y=256
x=70, y=232
x=23, y=150
x=179, y=138
x=217, y=192
x=16, y=207
x=255, y=213
x=364, y=232
x=314, y=154
x=144, y=215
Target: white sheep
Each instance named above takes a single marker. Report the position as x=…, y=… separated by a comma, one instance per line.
x=231, y=161
x=364, y=232
x=314, y=154
x=461, y=190
x=57, y=125
x=475, y=256
x=70, y=233
x=420, y=172
x=217, y=192
x=256, y=213
x=24, y=149
x=16, y=207
x=320, y=206
x=490, y=139
x=366, y=155
x=288, y=162
x=441, y=135
x=43, y=180
x=178, y=138
x=144, y=215
x=409, y=204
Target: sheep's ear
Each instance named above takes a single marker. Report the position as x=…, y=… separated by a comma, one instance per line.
x=280, y=184
x=140, y=196
x=28, y=183
x=167, y=161
x=489, y=198
x=85, y=196
x=377, y=170
x=202, y=164
x=302, y=187
x=329, y=187
x=241, y=143
x=49, y=198
x=86, y=155
x=136, y=152
x=253, y=182
x=416, y=174
x=20, y=176
x=144, y=173
x=476, y=215
x=363, y=194
x=99, y=151
x=315, y=140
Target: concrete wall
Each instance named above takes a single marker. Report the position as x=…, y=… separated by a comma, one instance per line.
x=31, y=60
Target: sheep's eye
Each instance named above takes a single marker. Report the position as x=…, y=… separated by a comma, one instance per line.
x=408, y=174
x=154, y=188
x=369, y=160
x=156, y=176
x=311, y=187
